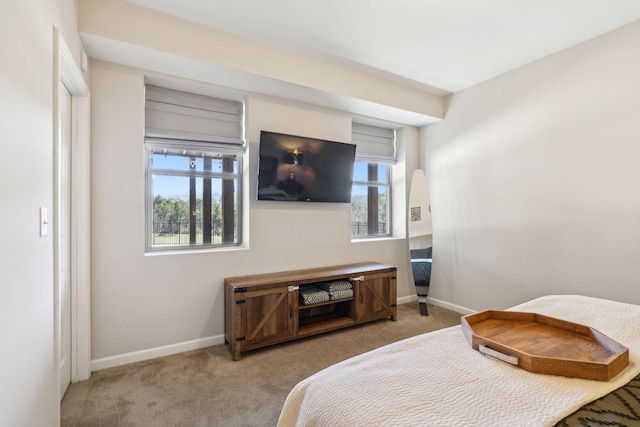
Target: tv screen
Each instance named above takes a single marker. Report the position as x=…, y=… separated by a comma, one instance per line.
x=295, y=168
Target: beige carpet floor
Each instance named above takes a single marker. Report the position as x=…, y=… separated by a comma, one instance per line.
x=206, y=388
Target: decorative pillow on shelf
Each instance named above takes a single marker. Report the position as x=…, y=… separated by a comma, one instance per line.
x=341, y=294
x=337, y=289
x=336, y=285
x=312, y=295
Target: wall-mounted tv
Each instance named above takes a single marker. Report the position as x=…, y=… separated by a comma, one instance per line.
x=295, y=168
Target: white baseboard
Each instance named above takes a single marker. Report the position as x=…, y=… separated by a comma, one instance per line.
x=449, y=306
x=152, y=353
x=167, y=350
x=438, y=303
x=406, y=300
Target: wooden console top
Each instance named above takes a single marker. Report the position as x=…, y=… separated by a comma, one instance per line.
x=310, y=275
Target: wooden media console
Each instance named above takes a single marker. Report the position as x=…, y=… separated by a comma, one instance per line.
x=265, y=309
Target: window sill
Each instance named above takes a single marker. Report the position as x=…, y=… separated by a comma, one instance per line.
x=195, y=251
x=375, y=239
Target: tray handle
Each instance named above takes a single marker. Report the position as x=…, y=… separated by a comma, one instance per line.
x=513, y=360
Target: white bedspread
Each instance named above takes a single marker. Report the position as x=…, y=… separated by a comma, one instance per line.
x=437, y=379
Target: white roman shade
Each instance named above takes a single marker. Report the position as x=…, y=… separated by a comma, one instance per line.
x=173, y=116
x=374, y=144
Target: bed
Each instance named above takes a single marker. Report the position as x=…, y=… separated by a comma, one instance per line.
x=436, y=379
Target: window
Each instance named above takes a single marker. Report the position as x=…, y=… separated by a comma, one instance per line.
x=371, y=192
x=194, y=149
x=370, y=199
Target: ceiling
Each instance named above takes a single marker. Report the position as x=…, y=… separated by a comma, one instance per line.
x=440, y=45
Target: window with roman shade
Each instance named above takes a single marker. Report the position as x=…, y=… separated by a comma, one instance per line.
x=371, y=191
x=194, y=147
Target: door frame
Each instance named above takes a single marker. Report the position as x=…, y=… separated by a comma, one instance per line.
x=66, y=70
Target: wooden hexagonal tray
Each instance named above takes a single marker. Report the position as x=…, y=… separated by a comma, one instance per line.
x=545, y=345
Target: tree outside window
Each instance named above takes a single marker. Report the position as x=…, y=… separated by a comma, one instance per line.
x=194, y=198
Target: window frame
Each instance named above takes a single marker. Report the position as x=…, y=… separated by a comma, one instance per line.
x=378, y=183
x=196, y=120
x=209, y=148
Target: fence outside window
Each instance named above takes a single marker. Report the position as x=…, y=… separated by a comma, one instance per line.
x=361, y=228
x=176, y=232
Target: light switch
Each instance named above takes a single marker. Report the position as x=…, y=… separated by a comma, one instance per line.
x=84, y=61
x=44, y=222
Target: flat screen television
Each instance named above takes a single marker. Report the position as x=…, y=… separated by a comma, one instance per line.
x=296, y=168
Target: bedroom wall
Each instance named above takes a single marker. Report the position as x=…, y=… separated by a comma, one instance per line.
x=534, y=178
x=28, y=395
x=145, y=305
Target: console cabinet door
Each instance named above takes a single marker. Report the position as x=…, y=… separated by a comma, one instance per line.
x=266, y=317
x=376, y=297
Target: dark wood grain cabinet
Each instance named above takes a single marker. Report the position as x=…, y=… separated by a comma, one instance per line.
x=265, y=309
x=375, y=299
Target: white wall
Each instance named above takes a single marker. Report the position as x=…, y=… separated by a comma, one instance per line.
x=28, y=394
x=140, y=303
x=535, y=180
